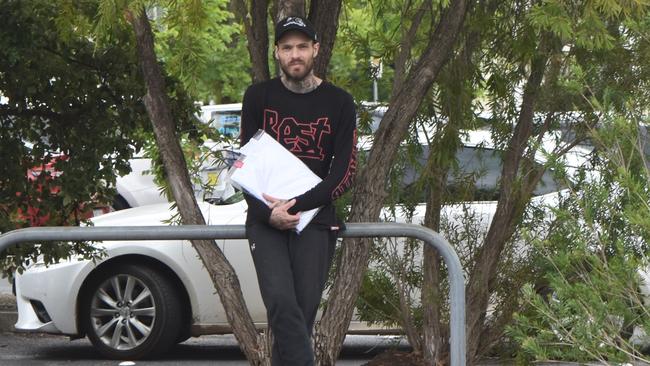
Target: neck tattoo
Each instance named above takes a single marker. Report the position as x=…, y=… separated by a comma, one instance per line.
x=304, y=86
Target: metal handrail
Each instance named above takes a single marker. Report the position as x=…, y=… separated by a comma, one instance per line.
x=353, y=230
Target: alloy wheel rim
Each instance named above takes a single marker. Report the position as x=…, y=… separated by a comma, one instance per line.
x=122, y=312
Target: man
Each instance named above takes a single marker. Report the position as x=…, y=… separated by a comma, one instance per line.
x=316, y=122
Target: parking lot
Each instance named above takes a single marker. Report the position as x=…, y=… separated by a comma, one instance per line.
x=38, y=349
x=41, y=349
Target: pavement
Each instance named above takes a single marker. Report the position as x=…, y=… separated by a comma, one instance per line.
x=43, y=349
x=21, y=349
x=52, y=350
x=357, y=352
x=8, y=314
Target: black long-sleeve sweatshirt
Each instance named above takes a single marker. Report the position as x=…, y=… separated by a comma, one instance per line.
x=318, y=127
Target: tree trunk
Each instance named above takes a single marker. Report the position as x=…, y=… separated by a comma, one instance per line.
x=324, y=15
x=287, y=8
x=257, y=35
x=512, y=201
x=369, y=193
x=456, y=103
x=221, y=272
x=434, y=342
x=405, y=304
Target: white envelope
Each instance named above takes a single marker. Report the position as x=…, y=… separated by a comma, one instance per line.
x=268, y=167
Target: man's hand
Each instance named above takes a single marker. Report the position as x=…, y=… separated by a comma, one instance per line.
x=273, y=202
x=280, y=218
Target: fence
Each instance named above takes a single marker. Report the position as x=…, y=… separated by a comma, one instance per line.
x=356, y=230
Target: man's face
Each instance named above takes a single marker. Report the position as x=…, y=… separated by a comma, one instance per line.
x=296, y=53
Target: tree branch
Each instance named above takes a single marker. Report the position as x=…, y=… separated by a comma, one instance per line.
x=257, y=35
x=324, y=15
x=406, y=45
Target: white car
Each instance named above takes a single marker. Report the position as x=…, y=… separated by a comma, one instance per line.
x=138, y=187
x=224, y=118
x=144, y=296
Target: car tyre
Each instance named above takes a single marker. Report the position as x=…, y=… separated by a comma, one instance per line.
x=131, y=312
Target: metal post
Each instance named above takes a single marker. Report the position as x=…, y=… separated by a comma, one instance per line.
x=356, y=230
x=375, y=91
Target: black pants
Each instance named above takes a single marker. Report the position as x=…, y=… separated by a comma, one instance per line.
x=291, y=271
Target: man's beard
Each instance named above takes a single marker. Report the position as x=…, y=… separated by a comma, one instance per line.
x=308, y=67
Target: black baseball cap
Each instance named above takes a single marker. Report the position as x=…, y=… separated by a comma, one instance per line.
x=295, y=23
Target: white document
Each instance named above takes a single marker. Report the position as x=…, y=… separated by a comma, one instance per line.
x=268, y=167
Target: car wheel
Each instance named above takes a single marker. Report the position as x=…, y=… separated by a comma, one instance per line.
x=131, y=312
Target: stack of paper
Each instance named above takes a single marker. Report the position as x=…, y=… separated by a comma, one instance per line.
x=268, y=167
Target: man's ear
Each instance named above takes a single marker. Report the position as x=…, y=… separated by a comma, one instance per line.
x=275, y=52
x=316, y=48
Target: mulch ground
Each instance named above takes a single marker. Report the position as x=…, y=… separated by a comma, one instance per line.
x=396, y=358
x=7, y=302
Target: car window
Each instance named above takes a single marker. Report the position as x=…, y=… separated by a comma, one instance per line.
x=479, y=166
x=226, y=122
